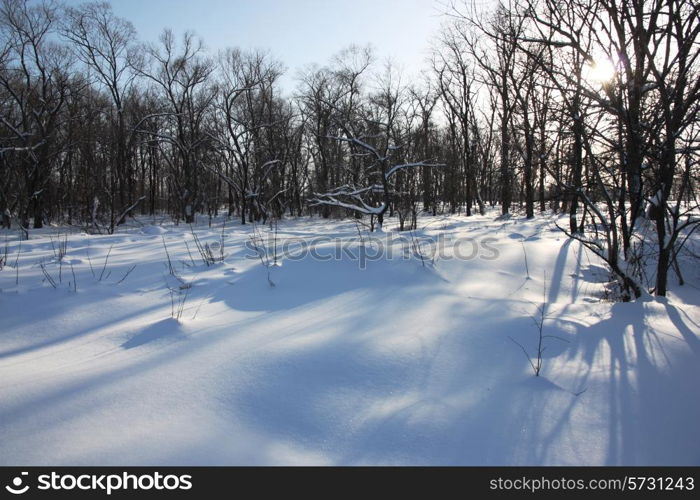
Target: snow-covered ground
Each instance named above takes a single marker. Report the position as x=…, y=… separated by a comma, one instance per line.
x=387, y=361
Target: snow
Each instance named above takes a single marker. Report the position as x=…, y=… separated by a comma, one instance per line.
x=399, y=361
x=154, y=230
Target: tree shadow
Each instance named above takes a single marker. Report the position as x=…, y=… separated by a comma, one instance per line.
x=334, y=275
x=674, y=314
x=464, y=397
x=636, y=384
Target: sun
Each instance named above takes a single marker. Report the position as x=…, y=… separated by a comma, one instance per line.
x=601, y=71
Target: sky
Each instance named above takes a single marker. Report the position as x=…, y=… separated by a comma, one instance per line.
x=297, y=32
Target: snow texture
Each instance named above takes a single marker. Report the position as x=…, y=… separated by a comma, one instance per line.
x=404, y=362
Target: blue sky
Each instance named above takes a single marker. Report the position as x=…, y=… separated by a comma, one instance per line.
x=297, y=32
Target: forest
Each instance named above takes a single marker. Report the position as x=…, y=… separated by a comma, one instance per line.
x=587, y=108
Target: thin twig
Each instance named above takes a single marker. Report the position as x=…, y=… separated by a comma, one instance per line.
x=527, y=268
x=127, y=274
x=75, y=281
x=47, y=275
x=170, y=263
x=87, y=251
x=104, y=267
x=19, y=250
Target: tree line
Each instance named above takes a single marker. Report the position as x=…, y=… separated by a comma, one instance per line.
x=583, y=107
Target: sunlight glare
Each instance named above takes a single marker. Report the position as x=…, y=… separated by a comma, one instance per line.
x=602, y=71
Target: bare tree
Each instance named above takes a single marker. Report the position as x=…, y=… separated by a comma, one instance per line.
x=34, y=80
x=106, y=44
x=180, y=74
x=374, y=138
